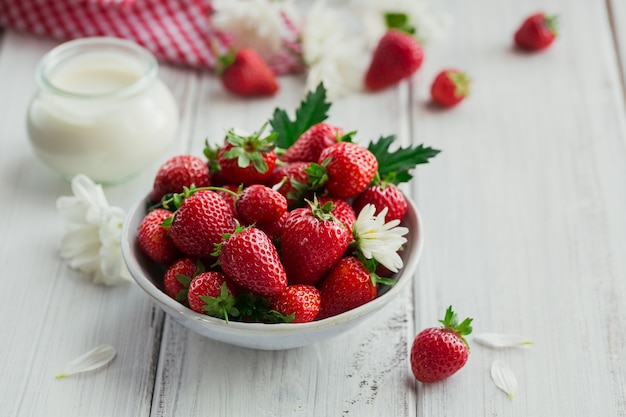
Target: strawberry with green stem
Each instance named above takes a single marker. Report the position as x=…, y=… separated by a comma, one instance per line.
x=200, y=222
x=154, y=239
x=247, y=159
x=211, y=293
x=348, y=285
x=245, y=73
x=299, y=303
x=537, y=32
x=394, y=167
x=250, y=259
x=439, y=352
x=178, y=172
x=450, y=87
x=312, y=240
x=179, y=275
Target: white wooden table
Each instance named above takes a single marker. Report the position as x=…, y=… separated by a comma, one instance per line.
x=525, y=222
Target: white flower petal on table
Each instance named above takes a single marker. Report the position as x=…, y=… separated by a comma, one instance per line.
x=501, y=340
x=89, y=361
x=503, y=377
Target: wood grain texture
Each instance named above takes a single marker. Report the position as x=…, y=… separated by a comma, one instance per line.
x=522, y=211
x=524, y=226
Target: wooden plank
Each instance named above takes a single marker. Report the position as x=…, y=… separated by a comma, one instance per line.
x=617, y=16
x=50, y=313
x=523, y=212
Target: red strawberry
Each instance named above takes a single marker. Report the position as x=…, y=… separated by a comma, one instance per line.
x=397, y=56
x=536, y=32
x=153, y=238
x=212, y=294
x=312, y=241
x=439, y=352
x=450, y=87
x=231, y=197
x=178, y=172
x=274, y=229
x=260, y=204
x=342, y=210
x=250, y=259
x=303, y=301
x=200, y=222
x=290, y=174
x=312, y=142
x=178, y=276
x=350, y=169
x=348, y=285
x=247, y=159
x=245, y=73
x=381, y=196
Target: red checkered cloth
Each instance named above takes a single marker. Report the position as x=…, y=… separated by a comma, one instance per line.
x=176, y=31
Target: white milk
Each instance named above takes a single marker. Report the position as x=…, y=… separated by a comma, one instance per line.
x=101, y=110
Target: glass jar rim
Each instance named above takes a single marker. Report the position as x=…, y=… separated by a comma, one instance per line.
x=73, y=48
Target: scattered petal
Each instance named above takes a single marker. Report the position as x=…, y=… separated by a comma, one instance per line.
x=501, y=340
x=503, y=377
x=89, y=361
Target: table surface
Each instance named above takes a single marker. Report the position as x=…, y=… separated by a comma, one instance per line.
x=525, y=232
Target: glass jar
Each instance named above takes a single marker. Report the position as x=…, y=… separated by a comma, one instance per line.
x=100, y=110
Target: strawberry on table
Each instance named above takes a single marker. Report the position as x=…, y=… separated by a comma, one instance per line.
x=154, y=239
x=397, y=56
x=439, y=352
x=247, y=159
x=347, y=286
x=178, y=172
x=200, y=222
x=250, y=259
x=245, y=73
x=450, y=87
x=536, y=32
x=342, y=210
x=312, y=241
x=211, y=293
x=300, y=303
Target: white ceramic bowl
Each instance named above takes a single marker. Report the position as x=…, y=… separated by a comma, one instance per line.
x=149, y=276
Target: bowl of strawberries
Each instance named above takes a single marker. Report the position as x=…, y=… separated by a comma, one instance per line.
x=278, y=240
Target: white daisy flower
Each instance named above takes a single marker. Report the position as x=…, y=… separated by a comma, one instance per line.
x=334, y=51
x=429, y=25
x=91, y=243
x=269, y=27
x=379, y=240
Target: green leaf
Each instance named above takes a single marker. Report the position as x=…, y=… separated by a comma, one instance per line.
x=313, y=110
x=395, y=166
x=399, y=21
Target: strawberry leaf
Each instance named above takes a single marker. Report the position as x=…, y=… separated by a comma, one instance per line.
x=395, y=166
x=399, y=21
x=313, y=110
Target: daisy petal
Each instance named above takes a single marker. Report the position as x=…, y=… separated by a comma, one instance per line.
x=89, y=361
x=501, y=340
x=503, y=377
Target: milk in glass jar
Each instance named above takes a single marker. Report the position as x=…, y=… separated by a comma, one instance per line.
x=100, y=110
